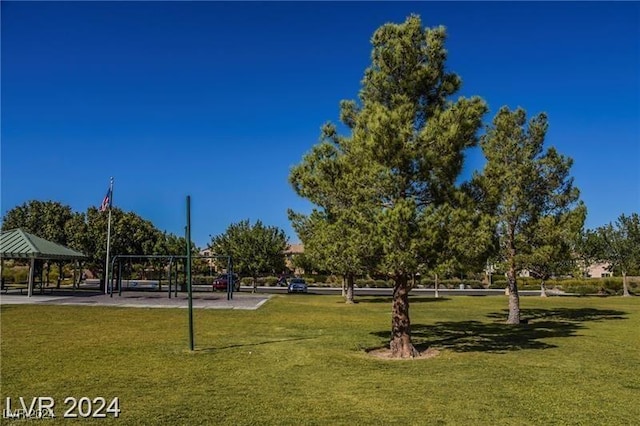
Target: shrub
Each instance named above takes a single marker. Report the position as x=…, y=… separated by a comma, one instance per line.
x=585, y=289
x=529, y=285
x=364, y=282
x=613, y=284
x=201, y=280
x=20, y=275
x=333, y=279
x=382, y=284
x=316, y=278
x=269, y=281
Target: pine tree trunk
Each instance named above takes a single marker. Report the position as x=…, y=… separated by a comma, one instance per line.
x=514, y=299
x=350, y=281
x=436, y=287
x=625, y=288
x=400, y=345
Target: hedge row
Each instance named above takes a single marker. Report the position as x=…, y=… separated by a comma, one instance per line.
x=610, y=285
x=21, y=275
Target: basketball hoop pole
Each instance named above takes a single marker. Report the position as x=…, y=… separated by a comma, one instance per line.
x=188, y=236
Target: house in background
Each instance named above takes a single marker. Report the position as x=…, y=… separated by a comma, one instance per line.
x=290, y=253
x=598, y=270
x=215, y=264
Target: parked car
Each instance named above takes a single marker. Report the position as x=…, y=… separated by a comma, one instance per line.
x=297, y=285
x=220, y=283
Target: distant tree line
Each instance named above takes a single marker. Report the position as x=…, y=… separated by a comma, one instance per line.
x=255, y=249
x=87, y=231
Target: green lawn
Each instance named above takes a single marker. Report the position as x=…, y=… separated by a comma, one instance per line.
x=302, y=360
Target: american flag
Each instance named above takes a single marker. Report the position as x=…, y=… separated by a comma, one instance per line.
x=106, y=202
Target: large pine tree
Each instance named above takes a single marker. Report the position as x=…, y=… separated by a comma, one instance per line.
x=400, y=162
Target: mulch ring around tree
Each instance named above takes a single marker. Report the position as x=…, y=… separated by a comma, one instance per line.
x=385, y=353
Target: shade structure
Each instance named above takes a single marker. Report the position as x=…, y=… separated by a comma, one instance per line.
x=19, y=244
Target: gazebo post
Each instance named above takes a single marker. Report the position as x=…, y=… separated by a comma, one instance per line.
x=32, y=270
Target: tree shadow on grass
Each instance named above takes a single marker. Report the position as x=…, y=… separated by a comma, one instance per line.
x=494, y=337
x=389, y=300
x=563, y=314
x=267, y=342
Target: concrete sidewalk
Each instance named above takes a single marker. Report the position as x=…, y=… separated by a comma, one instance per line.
x=141, y=300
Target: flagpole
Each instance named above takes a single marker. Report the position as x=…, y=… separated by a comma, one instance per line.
x=106, y=263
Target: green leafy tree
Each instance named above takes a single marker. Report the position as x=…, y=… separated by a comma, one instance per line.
x=620, y=246
x=46, y=219
x=305, y=262
x=337, y=238
x=336, y=244
x=529, y=191
x=130, y=235
x=50, y=220
x=403, y=156
x=460, y=238
x=254, y=249
x=552, y=245
x=76, y=232
x=587, y=249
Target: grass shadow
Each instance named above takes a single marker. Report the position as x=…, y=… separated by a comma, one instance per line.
x=494, y=337
x=388, y=300
x=243, y=345
x=563, y=314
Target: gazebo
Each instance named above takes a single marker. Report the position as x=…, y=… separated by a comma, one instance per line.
x=18, y=244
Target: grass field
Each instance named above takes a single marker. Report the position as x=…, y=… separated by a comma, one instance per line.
x=302, y=360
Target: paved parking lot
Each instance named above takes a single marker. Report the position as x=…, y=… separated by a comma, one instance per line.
x=133, y=299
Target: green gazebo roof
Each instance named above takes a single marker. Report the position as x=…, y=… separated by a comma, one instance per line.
x=18, y=244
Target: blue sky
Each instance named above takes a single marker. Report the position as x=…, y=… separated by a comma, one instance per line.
x=219, y=100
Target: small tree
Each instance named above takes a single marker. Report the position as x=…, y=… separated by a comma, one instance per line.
x=587, y=249
x=254, y=249
x=620, y=246
x=529, y=191
x=552, y=245
x=337, y=244
x=459, y=236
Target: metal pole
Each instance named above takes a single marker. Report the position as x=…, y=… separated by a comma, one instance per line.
x=31, y=275
x=229, y=279
x=169, y=272
x=188, y=235
x=119, y=277
x=113, y=263
x=175, y=287
x=106, y=264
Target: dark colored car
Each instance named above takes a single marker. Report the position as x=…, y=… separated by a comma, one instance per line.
x=220, y=283
x=297, y=285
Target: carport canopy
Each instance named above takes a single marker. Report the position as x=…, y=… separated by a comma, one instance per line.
x=19, y=244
